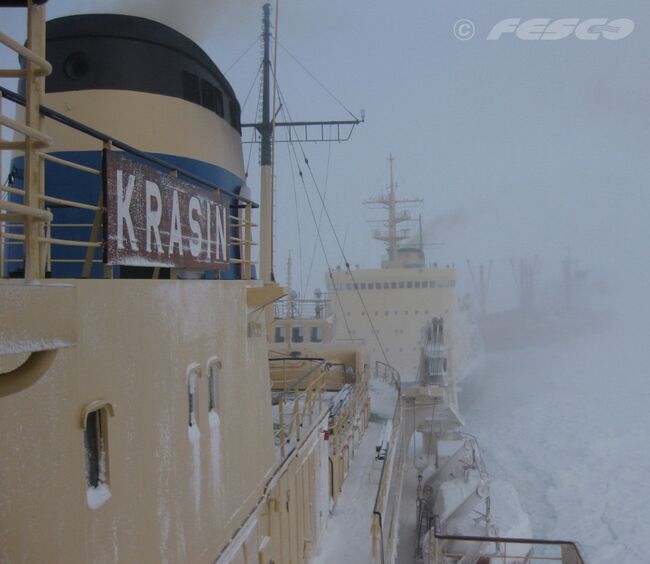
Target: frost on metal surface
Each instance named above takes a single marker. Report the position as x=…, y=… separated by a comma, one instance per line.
x=96, y=497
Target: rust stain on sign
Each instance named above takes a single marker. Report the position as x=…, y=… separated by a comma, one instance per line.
x=155, y=219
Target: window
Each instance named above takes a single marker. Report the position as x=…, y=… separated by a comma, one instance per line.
x=363, y=285
x=191, y=91
x=424, y=283
x=316, y=334
x=297, y=334
x=280, y=335
x=214, y=367
x=95, y=444
x=218, y=100
x=417, y=284
x=371, y=285
x=94, y=421
x=409, y=284
x=348, y=286
x=192, y=399
x=432, y=284
x=393, y=285
x=401, y=284
x=234, y=114
x=385, y=285
x=356, y=286
x=207, y=95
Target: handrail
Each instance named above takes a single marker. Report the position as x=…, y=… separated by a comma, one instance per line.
x=297, y=383
x=23, y=212
x=514, y=540
x=575, y=558
x=28, y=211
x=56, y=116
x=288, y=430
x=45, y=67
x=70, y=164
x=43, y=139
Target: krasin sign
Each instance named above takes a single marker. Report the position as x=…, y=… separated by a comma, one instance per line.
x=155, y=219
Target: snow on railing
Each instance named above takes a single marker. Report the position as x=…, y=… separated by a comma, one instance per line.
x=293, y=308
x=441, y=547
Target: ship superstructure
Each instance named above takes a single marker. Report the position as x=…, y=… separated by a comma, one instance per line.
x=156, y=404
x=143, y=417
x=388, y=306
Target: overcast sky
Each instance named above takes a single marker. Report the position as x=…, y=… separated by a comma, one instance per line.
x=519, y=148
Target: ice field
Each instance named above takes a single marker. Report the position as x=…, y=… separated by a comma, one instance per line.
x=569, y=425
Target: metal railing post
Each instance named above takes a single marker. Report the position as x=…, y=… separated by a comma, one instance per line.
x=282, y=436
x=296, y=413
x=34, y=88
x=2, y=195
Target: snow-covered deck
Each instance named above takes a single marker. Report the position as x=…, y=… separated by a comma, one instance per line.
x=347, y=537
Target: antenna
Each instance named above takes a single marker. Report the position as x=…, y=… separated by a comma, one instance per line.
x=266, y=137
x=390, y=235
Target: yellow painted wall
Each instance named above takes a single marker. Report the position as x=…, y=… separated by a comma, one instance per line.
x=398, y=315
x=136, y=339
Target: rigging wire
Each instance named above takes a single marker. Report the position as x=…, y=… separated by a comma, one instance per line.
x=317, y=81
x=233, y=65
x=290, y=146
x=295, y=199
x=338, y=242
x=322, y=245
x=257, y=74
x=257, y=113
x=250, y=150
x=320, y=215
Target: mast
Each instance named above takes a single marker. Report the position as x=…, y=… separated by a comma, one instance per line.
x=266, y=158
x=392, y=241
x=390, y=235
x=298, y=130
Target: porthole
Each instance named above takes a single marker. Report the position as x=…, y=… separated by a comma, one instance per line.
x=76, y=66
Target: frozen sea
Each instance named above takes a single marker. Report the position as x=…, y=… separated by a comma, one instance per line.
x=568, y=425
